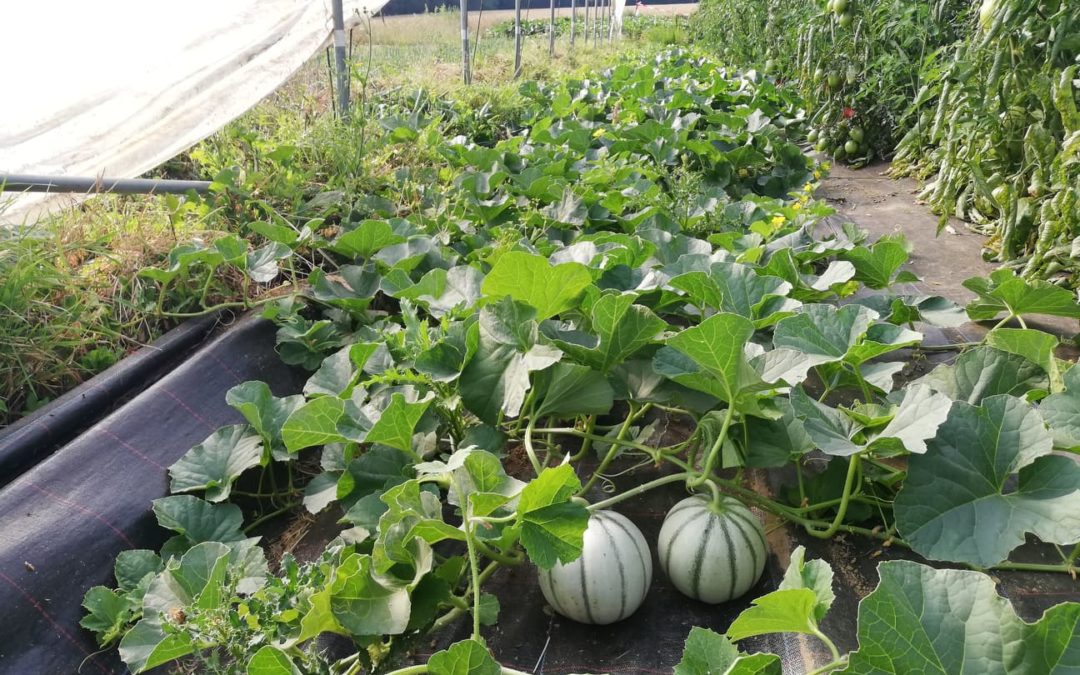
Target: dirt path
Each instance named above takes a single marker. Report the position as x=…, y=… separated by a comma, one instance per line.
x=883, y=206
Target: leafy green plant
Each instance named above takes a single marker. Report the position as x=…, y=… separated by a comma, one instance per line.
x=559, y=300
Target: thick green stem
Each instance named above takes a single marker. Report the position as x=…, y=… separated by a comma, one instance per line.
x=527, y=442
x=639, y=489
x=609, y=457
x=829, y=667
x=845, y=499
x=816, y=632
x=268, y=516
x=497, y=556
x=714, y=451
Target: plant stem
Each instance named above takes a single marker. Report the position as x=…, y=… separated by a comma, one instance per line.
x=714, y=451
x=268, y=516
x=845, y=499
x=639, y=489
x=828, y=667
x=610, y=456
x=497, y=556
x=816, y=632
x=527, y=442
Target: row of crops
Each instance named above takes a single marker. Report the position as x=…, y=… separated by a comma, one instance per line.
x=645, y=248
x=978, y=99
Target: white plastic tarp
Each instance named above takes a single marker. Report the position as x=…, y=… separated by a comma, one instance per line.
x=117, y=87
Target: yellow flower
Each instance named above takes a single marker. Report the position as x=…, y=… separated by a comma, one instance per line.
x=796, y=206
x=777, y=221
x=599, y=132
x=809, y=187
x=817, y=174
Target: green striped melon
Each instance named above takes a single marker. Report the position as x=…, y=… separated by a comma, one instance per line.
x=610, y=579
x=712, y=554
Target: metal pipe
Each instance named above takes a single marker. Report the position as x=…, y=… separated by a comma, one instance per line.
x=15, y=182
x=465, y=72
x=340, y=59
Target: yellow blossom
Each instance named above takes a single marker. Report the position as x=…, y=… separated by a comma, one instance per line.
x=777, y=221
x=599, y=132
x=796, y=206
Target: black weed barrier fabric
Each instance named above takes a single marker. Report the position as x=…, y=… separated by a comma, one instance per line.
x=32, y=438
x=65, y=520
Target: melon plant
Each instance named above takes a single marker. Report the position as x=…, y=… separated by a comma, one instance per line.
x=611, y=578
x=712, y=551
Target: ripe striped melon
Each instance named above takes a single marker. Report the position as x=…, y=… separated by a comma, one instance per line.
x=712, y=554
x=610, y=579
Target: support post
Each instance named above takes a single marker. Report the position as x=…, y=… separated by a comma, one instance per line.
x=517, y=38
x=465, y=73
x=551, y=31
x=340, y=61
x=573, y=21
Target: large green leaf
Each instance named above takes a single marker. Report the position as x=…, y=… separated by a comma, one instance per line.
x=396, y=424
x=1034, y=345
x=715, y=349
x=271, y=661
x=468, y=657
x=1005, y=292
x=985, y=371
x=495, y=380
x=215, y=463
x=552, y=527
x=789, y=610
x=366, y=239
x=709, y=653
x=147, y=645
x=813, y=574
x=959, y=504
x=1062, y=412
x=264, y=411
x=878, y=266
x=567, y=389
x=738, y=289
x=531, y=279
x=622, y=328
x=198, y=520
x=314, y=423
x=830, y=429
x=823, y=333
x=365, y=605
x=923, y=620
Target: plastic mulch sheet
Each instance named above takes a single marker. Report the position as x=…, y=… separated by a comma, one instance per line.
x=65, y=520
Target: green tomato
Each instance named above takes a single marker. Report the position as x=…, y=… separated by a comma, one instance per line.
x=834, y=80
x=846, y=20
x=856, y=134
x=839, y=6
x=822, y=145
x=819, y=73
x=852, y=74
x=851, y=147
x=831, y=6
x=812, y=136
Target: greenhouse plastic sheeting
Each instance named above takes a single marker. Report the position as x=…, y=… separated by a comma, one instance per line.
x=65, y=520
x=116, y=88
